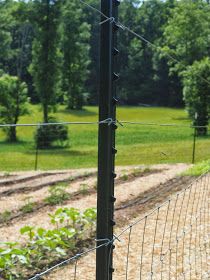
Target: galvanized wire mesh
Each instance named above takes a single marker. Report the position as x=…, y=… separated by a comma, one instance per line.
x=170, y=242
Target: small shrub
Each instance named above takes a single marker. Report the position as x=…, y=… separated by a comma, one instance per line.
x=47, y=135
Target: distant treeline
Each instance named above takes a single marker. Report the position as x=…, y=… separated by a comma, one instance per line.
x=53, y=46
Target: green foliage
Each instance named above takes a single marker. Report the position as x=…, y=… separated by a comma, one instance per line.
x=5, y=216
x=124, y=177
x=75, y=46
x=45, y=55
x=28, y=207
x=138, y=171
x=13, y=97
x=57, y=195
x=47, y=135
x=187, y=33
x=197, y=93
x=84, y=189
x=44, y=245
x=10, y=254
x=198, y=169
x=144, y=71
x=5, y=35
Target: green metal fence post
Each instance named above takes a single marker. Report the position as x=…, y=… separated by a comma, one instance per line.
x=194, y=137
x=106, y=144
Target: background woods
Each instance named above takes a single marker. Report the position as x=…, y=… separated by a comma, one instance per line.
x=52, y=47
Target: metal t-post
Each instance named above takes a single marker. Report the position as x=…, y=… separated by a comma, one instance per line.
x=106, y=143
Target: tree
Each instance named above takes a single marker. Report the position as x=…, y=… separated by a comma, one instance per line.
x=5, y=34
x=22, y=37
x=187, y=34
x=145, y=72
x=92, y=82
x=75, y=49
x=13, y=97
x=196, y=83
x=16, y=35
x=45, y=67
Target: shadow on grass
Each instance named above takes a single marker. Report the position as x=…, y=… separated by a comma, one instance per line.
x=203, y=137
x=61, y=152
x=181, y=119
x=17, y=143
x=19, y=146
x=78, y=113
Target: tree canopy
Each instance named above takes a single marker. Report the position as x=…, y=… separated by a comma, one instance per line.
x=53, y=46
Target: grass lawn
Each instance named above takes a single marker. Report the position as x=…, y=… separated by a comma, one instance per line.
x=136, y=144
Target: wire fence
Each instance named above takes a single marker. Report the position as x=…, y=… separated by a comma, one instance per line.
x=169, y=242
x=61, y=146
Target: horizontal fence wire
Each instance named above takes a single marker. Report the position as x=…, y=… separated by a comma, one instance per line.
x=73, y=260
x=38, y=141
x=170, y=242
x=108, y=121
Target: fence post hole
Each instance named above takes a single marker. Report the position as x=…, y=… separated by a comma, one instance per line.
x=106, y=140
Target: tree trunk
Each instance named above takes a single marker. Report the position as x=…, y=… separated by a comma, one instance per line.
x=45, y=112
x=12, y=134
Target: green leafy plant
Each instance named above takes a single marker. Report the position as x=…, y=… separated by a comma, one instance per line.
x=138, y=171
x=28, y=207
x=10, y=254
x=29, y=231
x=84, y=189
x=57, y=195
x=89, y=215
x=69, y=216
x=124, y=177
x=7, y=174
x=5, y=216
x=46, y=245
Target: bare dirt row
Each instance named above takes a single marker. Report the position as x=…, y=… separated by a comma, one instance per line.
x=170, y=242
x=125, y=191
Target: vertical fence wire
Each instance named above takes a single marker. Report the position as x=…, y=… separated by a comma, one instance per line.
x=174, y=237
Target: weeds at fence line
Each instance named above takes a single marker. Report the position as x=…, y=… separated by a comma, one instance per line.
x=170, y=242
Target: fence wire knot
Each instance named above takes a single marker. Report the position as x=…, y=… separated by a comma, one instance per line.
x=111, y=20
x=106, y=241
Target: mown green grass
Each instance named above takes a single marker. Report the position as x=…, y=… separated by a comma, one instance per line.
x=136, y=144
